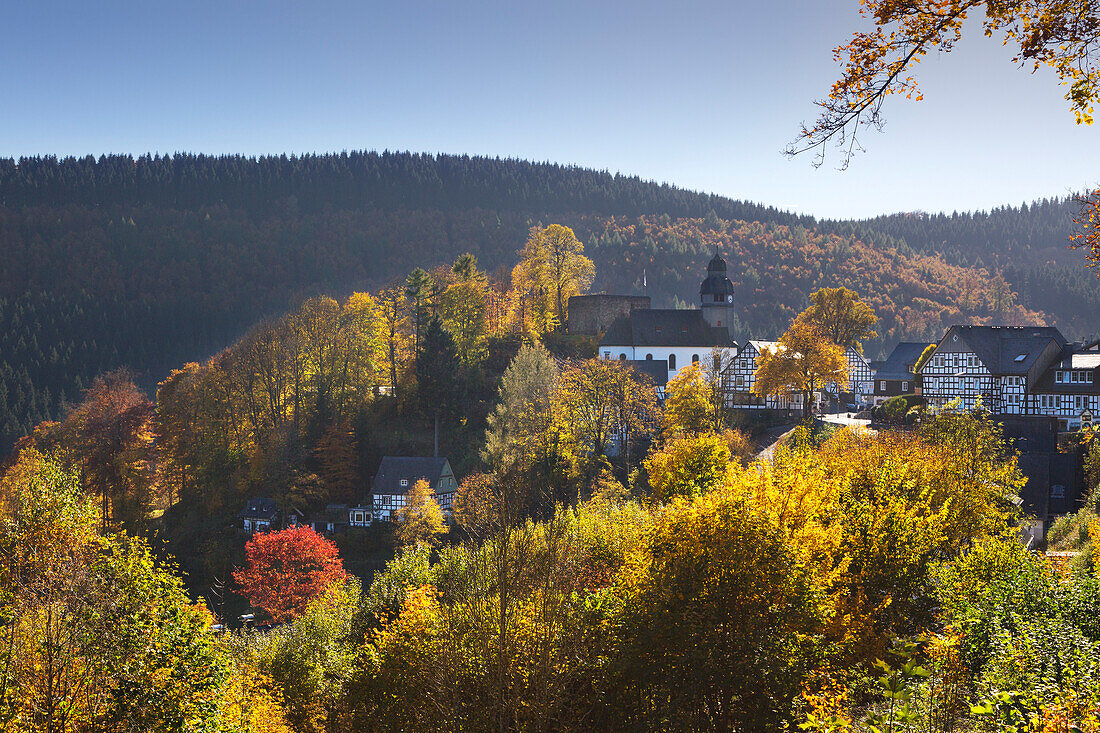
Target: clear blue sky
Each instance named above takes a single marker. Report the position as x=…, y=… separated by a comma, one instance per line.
x=700, y=94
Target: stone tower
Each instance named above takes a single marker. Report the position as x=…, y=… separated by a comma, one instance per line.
x=716, y=295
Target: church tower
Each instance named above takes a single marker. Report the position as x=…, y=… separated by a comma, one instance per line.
x=716, y=295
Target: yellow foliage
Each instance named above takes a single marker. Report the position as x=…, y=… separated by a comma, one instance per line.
x=687, y=466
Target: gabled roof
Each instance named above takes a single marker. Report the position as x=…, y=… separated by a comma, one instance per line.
x=411, y=468
x=655, y=369
x=1073, y=357
x=666, y=327
x=759, y=346
x=259, y=507
x=899, y=365
x=1007, y=349
x=334, y=513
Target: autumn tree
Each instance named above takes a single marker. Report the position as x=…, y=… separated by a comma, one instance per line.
x=420, y=520
x=108, y=437
x=801, y=362
x=520, y=447
x=841, y=317
x=689, y=402
x=338, y=459
x=552, y=268
x=463, y=309
x=599, y=403
x=395, y=319
x=96, y=633
x=715, y=620
x=687, y=466
x=285, y=570
x=879, y=63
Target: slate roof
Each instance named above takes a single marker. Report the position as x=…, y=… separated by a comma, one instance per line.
x=412, y=468
x=334, y=513
x=999, y=346
x=1072, y=358
x=655, y=369
x=259, y=508
x=716, y=282
x=899, y=365
x=666, y=327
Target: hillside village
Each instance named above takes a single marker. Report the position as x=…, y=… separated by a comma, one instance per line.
x=1031, y=379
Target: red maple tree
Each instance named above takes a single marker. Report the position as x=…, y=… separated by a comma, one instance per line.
x=288, y=569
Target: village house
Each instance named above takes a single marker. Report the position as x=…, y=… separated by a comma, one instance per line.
x=678, y=337
x=860, y=385
x=1015, y=370
x=741, y=376
x=261, y=514
x=398, y=474
x=897, y=375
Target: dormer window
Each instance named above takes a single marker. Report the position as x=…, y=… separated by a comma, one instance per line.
x=404, y=482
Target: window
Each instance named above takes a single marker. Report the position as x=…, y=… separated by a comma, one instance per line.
x=672, y=362
x=607, y=354
x=404, y=482
x=1020, y=357
x=1059, y=377
x=622, y=357
x=1088, y=377
x=649, y=357
x=694, y=358
x=740, y=381
x=905, y=386
x=882, y=386
x=1078, y=403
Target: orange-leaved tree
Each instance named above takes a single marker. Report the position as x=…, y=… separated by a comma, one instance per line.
x=802, y=362
x=288, y=569
x=1060, y=34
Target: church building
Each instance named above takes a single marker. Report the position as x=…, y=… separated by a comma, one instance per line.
x=678, y=337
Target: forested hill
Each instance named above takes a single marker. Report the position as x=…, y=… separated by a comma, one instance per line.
x=155, y=261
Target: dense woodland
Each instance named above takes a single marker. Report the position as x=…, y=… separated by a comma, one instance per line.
x=147, y=263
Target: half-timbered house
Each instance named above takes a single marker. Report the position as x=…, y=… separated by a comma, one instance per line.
x=740, y=376
x=897, y=375
x=398, y=474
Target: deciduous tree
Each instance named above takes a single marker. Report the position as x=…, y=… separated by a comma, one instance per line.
x=421, y=519
x=285, y=570
x=552, y=269
x=1060, y=34
x=841, y=317
x=801, y=362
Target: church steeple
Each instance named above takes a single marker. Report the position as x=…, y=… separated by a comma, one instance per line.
x=716, y=295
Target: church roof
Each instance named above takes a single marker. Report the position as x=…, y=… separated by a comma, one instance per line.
x=716, y=282
x=666, y=328
x=655, y=369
